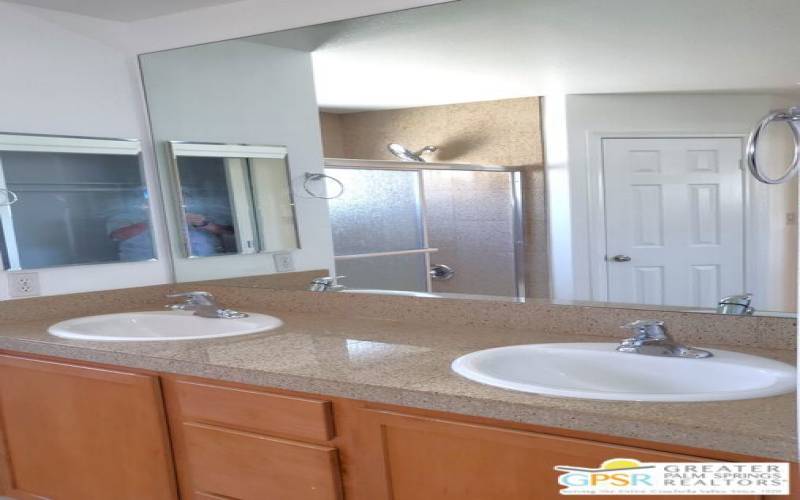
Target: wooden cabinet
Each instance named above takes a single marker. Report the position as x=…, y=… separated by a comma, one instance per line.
x=79, y=433
x=248, y=444
x=424, y=458
x=72, y=432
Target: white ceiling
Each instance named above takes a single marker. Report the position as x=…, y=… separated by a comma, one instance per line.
x=122, y=10
x=490, y=49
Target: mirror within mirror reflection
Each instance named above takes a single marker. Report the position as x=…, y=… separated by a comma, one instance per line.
x=233, y=205
x=469, y=164
x=70, y=200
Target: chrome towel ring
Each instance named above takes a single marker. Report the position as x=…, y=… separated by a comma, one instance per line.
x=10, y=197
x=321, y=177
x=790, y=116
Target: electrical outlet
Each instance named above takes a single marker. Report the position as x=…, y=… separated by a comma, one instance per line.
x=23, y=284
x=283, y=262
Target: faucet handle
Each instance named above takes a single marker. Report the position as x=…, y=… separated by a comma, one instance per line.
x=189, y=294
x=647, y=329
x=741, y=298
x=326, y=280
x=198, y=297
x=643, y=323
x=736, y=304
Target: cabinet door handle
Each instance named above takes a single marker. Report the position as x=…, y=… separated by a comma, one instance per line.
x=621, y=258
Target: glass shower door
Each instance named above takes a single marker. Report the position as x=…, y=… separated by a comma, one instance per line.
x=379, y=235
x=473, y=219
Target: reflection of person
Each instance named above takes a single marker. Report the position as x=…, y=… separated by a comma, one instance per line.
x=135, y=241
x=129, y=226
x=208, y=222
x=205, y=236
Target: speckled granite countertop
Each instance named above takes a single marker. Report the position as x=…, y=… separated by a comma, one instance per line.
x=409, y=364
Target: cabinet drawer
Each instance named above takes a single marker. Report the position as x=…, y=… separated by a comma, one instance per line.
x=253, y=410
x=224, y=463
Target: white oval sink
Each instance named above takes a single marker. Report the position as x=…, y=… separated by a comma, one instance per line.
x=160, y=325
x=598, y=371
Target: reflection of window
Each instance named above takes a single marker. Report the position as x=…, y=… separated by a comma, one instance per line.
x=235, y=199
x=80, y=201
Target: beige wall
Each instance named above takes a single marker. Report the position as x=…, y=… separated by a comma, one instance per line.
x=506, y=132
x=332, y=135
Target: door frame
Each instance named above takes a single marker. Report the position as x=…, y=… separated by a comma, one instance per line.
x=598, y=271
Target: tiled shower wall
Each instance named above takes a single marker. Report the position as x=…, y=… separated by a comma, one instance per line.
x=506, y=132
x=470, y=221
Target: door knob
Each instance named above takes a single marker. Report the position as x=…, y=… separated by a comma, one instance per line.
x=621, y=258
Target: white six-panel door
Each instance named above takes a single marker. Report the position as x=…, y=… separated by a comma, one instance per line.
x=675, y=208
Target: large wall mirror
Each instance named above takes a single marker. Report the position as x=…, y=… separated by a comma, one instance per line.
x=518, y=150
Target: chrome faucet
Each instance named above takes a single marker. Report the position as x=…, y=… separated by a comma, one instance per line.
x=326, y=284
x=738, y=305
x=651, y=338
x=204, y=305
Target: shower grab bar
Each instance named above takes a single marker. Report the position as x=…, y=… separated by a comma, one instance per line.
x=386, y=254
x=790, y=116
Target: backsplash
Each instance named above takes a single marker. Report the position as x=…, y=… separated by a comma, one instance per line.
x=698, y=328
x=603, y=322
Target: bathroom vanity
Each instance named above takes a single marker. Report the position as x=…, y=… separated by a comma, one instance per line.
x=241, y=441
x=429, y=226
x=328, y=407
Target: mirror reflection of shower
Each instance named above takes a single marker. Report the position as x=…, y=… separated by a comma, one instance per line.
x=410, y=229
x=406, y=154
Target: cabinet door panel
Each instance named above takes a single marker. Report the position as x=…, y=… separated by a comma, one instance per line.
x=80, y=433
x=226, y=463
x=431, y=459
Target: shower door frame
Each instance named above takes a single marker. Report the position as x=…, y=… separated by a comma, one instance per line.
x=515, y=174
